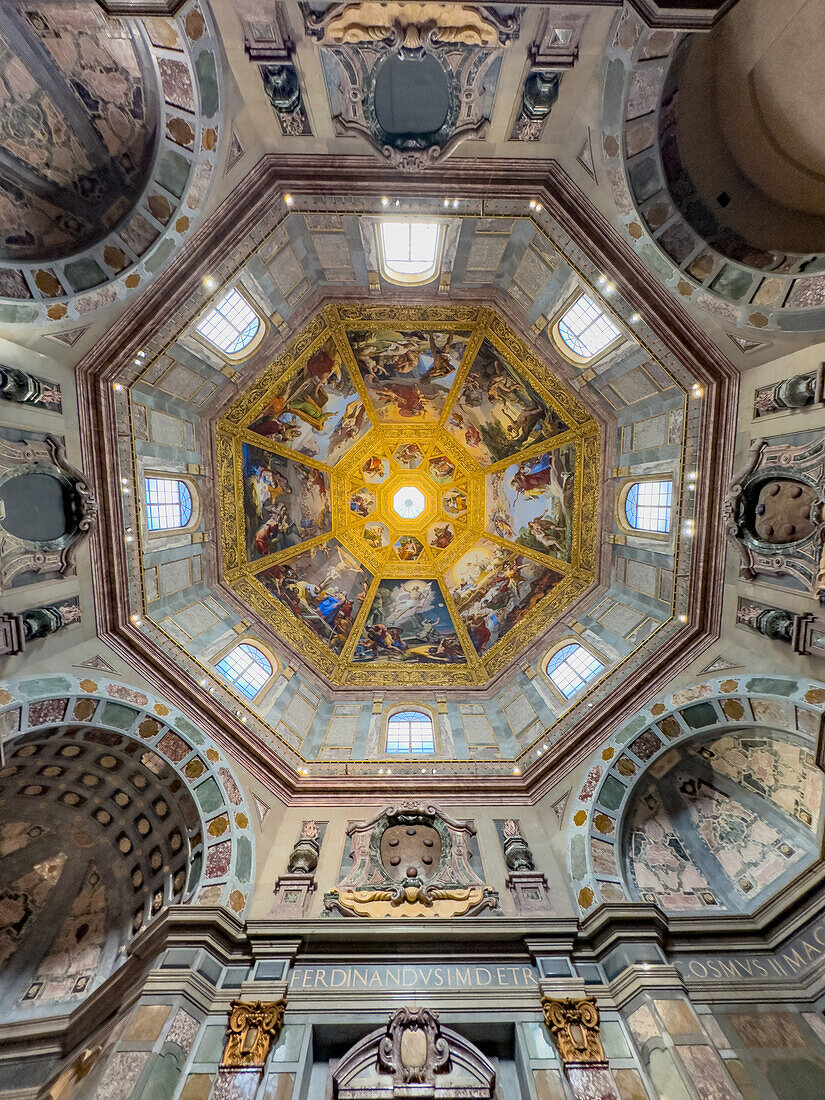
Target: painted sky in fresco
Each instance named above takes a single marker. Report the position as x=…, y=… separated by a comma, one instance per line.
x=284, y=502
x=318, y=412
x=408, y=374
x=497, y=414
x=493, y=589
x=324, y=587
x=409, y=622
x=531, y=502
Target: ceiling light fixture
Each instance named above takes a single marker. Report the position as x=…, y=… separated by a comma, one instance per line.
x=538, y=207
x=634, y=318
x=385, y=201
x=209, y=282
x=516, y=771
x=455, y=203
x=288, y=199
x=683, y=618
x=117, y=387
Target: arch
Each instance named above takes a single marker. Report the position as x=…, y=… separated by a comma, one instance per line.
x=409, y=250
x=449, y=1064
x=410, y=731
x=162, y=736
x=108, y=248
x=570, y=666
x=780, y=708
x=247, y=667
x=645, y=506
x=232, y=325
x=584, y=330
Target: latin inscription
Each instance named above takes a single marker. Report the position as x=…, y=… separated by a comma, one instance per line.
x=803, y=951
x=390, y=978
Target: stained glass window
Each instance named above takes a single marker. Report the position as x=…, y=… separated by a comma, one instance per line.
x=647, y=505
x=247, y=668
x=168, y=503
x=231, y=325
x=571, y=668
x=410, y=731
x=410, y=250
x=586, y=329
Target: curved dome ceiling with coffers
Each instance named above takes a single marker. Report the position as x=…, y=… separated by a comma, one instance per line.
x=409, y=493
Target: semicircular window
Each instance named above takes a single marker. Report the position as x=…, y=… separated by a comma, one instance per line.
x=231, y=325
x=247, y=668
x=410, y=731
x=586, y=329
x=168, y=503
x=647, y=505
x=571, y=668
x=409, y=250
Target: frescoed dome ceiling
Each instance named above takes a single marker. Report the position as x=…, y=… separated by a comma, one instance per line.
x=408, y=494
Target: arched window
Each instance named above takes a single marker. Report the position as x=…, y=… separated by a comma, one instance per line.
x=410, y=731
x=571, y=667
x=410, y=250
x=647, y=505
x=231, y=325
x=586, y=329
x=168, y=503
x=247, y=668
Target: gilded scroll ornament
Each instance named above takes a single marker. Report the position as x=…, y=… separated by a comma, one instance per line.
x=252, y=1027
x=574, y=1026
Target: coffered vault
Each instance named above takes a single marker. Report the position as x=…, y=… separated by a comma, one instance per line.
x=310, y=576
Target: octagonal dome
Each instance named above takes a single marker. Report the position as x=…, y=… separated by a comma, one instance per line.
x=414, y=495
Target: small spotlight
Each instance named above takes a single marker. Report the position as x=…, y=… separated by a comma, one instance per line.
x=516, y=771
x=288, y=199
x=696, y=390
x=129, y=538
x=532, y=204
x=117, y=387
x=209, y=282
x=385, y=201
x=398, y=202
x=609, y=288
x=135, y=618
x=602, y=280
x=455, y=203
x=538, y=207
x=380, y=771
x=683, y=618
x=304, y=771
x=635, y=318
x=446, y=202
